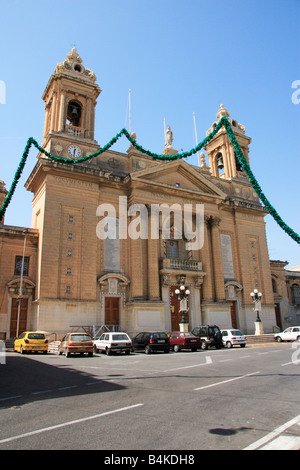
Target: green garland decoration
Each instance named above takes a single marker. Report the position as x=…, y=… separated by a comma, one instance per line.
x=223, y=122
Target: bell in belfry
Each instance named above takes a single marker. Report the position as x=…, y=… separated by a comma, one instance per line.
x=74, y=111
x=220, y=162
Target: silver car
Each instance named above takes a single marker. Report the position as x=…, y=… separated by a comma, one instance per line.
x=233, y=337
x=290, y=334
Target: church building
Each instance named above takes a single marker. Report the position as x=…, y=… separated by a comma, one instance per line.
x=75, y=274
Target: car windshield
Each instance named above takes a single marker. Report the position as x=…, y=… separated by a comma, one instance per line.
x=120, y=337
x=80, y=338
x=237, y=333
x=36, y=336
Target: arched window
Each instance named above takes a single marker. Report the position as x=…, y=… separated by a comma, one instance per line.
x=295, y=290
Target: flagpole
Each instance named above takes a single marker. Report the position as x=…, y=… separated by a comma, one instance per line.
x=196, y=137
x=129, y=111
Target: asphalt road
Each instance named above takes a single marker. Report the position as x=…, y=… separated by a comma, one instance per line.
x=188, y=401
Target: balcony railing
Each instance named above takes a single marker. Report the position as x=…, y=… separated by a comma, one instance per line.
x=77, y=131
x=181, y=264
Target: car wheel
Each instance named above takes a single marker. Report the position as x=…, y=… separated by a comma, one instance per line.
x=176, y=348
x=90, y=354
x=228, y=345
x=127, y=352
x=147, y=350
x=278, y=339
x=243, y=345
x=204, y=345
x=298, y=338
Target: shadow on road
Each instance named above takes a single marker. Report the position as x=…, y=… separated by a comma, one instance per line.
x=25, y=380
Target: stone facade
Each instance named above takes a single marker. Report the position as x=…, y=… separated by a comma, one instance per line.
x=81, y=279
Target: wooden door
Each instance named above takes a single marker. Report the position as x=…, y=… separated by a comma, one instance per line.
x=112, y=314
x=233, y=313
x=14, y=317
x=278, y=316
x=175, y=306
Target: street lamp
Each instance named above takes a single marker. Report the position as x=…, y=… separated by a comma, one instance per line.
x=183, y=294
x=20, y=298
x=256, y=297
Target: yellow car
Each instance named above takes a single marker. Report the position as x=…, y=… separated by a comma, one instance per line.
x=31, y=341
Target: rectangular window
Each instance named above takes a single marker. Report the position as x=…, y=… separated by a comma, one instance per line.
x=18, y=265
x=112, y=245
x=172, y=249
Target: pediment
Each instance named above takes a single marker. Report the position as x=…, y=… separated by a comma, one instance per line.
x=178, y=175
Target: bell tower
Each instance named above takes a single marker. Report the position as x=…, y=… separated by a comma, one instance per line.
x=70, y=99
x=221, y=155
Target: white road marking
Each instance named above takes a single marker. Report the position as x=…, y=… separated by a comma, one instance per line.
x=283, y=443
x=69, y=423
x=226, y=381
x=208, y=361
x=273, y=434
x=296, y=363
x=11, y=398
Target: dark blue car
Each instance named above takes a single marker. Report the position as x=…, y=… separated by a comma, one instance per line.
x=149, y=341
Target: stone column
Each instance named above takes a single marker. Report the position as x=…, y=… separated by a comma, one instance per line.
x=217, y=259
x=153, y=266
x=206, y=257
x=136, y=269
x=62, y=117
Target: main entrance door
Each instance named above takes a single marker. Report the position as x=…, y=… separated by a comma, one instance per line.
x=14, y=317
x=112, y=314
x=175, y=306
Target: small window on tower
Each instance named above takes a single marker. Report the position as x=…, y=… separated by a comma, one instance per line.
x=77, y=68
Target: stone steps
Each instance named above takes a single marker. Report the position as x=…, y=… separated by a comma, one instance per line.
x=266, y=338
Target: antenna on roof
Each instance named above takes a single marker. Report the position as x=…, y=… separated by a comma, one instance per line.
x=196, y=137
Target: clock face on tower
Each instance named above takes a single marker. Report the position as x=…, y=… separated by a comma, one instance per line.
x=74, y=151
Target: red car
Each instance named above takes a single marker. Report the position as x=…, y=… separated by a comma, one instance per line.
x=179, y=340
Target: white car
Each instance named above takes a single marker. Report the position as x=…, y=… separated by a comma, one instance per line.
x=232, y=337
x=290, y=334
x=113, y=342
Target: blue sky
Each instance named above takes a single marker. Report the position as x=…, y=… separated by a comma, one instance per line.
x=177, y=57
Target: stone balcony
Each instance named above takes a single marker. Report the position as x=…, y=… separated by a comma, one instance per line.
x=173, y=268
x=181, y=264
x=76, y=131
